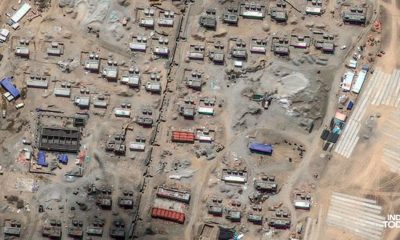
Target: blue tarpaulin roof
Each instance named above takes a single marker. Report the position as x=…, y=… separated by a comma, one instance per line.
x=42, y=159
x=261, y=148
x=7, y=84
x=63, y=158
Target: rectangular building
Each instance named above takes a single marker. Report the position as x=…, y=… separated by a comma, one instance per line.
x=20, y=13
x=359, y=82
x=10, y=87
x=173, y=194
x=59, y=139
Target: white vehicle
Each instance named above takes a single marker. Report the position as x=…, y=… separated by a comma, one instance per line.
x=19, y=105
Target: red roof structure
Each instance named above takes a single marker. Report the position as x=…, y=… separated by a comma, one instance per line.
x=169, y=215
x=182, y=136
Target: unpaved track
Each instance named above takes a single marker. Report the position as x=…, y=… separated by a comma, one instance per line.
x=390, y=29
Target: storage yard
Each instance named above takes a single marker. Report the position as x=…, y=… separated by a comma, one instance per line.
x=199, y=119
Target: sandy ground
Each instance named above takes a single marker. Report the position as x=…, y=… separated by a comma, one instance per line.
x=237, y=119
x=365, y=173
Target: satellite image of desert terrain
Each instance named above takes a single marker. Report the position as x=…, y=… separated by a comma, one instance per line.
x=200, y=119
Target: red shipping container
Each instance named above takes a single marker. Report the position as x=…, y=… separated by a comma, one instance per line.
x=168, y=215
x=180, y=136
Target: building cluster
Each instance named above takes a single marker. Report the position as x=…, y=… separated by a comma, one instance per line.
x=122, y=111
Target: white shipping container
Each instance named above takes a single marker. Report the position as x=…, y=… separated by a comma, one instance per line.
x=347, y=81
x=135, y=146
x=359, y=82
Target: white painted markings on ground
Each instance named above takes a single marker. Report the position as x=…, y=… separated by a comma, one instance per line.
x=349, y=135
x=382, y=89
x=388, y=91
x=359, y=216
x=391, y=151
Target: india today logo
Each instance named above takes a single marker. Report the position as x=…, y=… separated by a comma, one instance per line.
x=392, y=221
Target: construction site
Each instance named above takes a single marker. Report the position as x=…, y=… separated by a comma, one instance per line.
x=200, y=119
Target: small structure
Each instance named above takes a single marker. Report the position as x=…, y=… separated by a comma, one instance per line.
x=314, y=10
x=196, y=52
x=145, y=121
x=255, y=218
x=117, y=229
x=187, y=110
x=63, y=159
x=12, y=228
x=194, y=80
x=206, y=106
x=92, y=64
x=252, y=10
x=302, y=204
x=126, y=201
x=169, y=215
x=100, y=102
x=279, y=14
x=217, y=55
x=359, y=81
x=173, y=194
x=138, y=145
x=234, y=215
x=314, y=7
x=261, y=148
x=280, y=45
x=162, y=50
x=59, y=139
x=139, y=44
x=37, y=81
x=231, y=15
x=110, y=72
x=4, y=34
x=234, y=176
x=355, y=15
x=209, y=232
x=7, y=85
x=326, y=43
x=258, y=45
x=22, y=50
x=62, y=92
x=104, y=201
x=298, y=41
x=166, y=19
x=20, y=13
x=279, y=223
x=352, y=64
x=116, y=144
x=95, y=228
x=153, y=87
x=132, y=78
x=182, y=136
x=148, y=20
x=205, y=135
x=347, y=81
x=215, y=207
x=75, y=230
x=209, y=19
x=80, y=120
x=266, y=185
x=215, y=210
x=239, y=51
x=55, y=49
x=41, y=159
x=205, y=110
x=52, y=230
x=82, y=102
x=122, y=112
